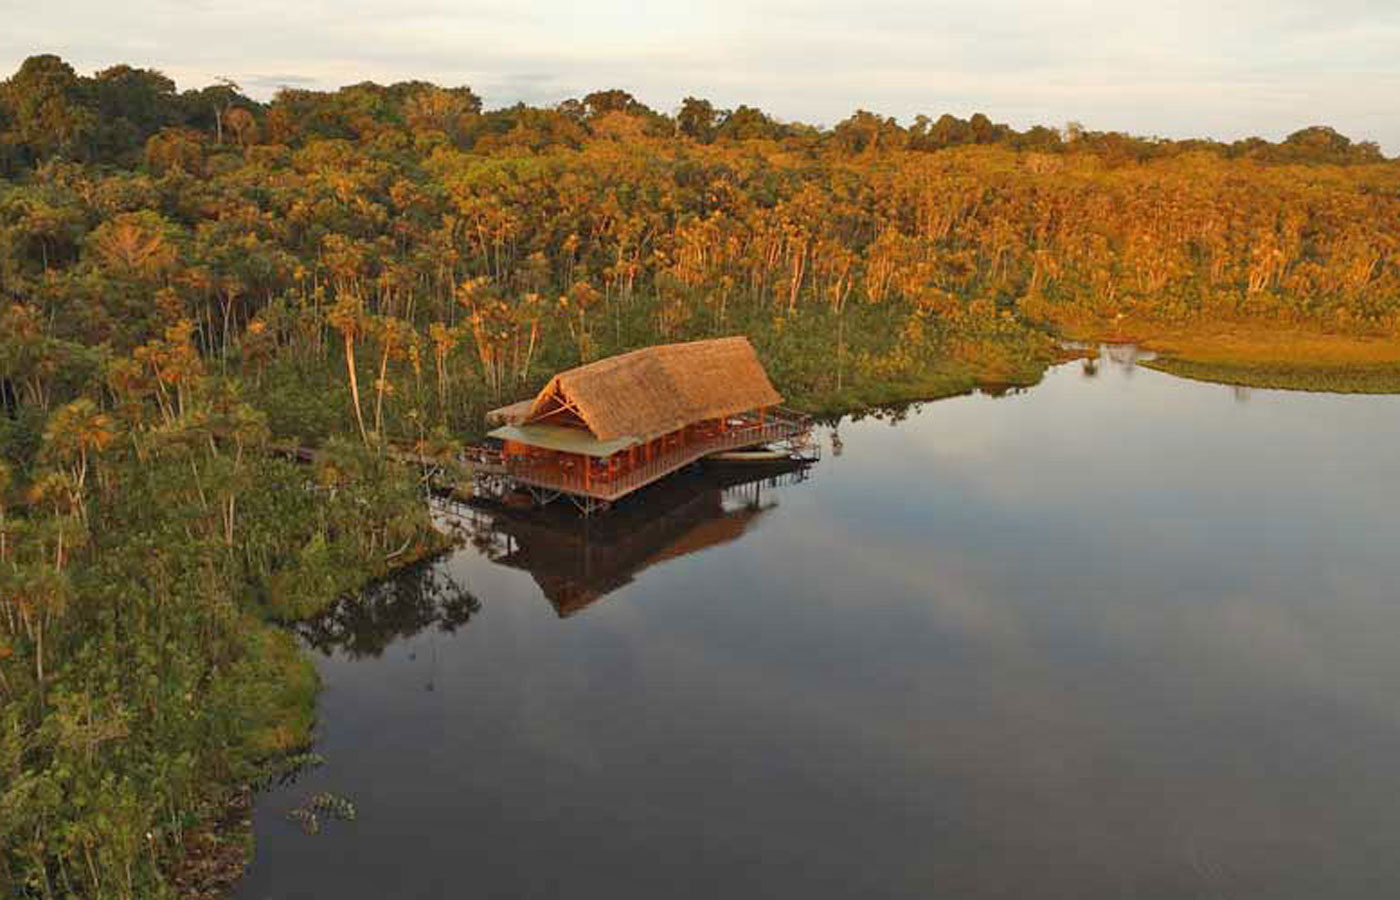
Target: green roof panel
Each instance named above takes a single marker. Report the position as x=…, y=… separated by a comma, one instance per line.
x=562, y=439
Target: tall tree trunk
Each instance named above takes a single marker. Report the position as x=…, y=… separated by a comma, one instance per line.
x=39, y=661
x=354, y=386
x=379, y=393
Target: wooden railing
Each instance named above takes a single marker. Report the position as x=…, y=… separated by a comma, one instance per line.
x=547, y=473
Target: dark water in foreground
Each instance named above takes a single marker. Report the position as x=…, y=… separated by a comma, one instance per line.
x=1120, y=636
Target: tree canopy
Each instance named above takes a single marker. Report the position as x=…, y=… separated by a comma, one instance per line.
x=194, y=283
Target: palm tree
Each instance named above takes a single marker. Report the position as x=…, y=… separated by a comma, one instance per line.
x=135, y=245
x=395, y=338
x=41, y=598
x=4, y=486
x=347, y=317
x=73, y=436
x=444, y=340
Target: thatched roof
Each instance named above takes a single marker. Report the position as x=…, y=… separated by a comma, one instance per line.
x=512, y=414
x=655, y=390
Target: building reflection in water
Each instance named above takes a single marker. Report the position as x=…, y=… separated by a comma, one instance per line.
x=577, y=561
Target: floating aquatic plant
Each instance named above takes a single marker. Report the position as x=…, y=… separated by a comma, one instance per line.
x=322, y=805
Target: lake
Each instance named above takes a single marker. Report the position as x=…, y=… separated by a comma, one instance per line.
x=1119, y=635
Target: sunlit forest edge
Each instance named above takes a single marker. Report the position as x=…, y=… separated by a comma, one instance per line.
x=191, y=282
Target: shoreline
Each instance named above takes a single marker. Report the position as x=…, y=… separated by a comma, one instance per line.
x=231, y=840
x=1252, y=355
x=219, y=851
x=1338, y=379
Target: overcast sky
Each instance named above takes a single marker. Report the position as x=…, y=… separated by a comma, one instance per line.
x=1218, y=68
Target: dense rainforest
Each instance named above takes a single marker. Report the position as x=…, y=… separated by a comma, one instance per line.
x=193, y=282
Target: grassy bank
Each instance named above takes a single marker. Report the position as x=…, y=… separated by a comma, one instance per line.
x=1339, y=379
x=936, y=383
x=1258, y=355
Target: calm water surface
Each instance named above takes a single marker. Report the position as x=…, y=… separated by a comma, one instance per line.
x=1117, y=636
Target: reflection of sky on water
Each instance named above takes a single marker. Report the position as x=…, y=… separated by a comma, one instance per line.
x=1116, y=636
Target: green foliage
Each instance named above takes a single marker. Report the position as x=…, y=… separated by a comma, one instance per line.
x=47, y=110
x=122, y=114
x=192, y=284
x=1377, y=378
x=141, y=688
x=303, y=406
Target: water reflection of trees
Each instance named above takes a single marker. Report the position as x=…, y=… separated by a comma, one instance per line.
x=422, y=596
x=894, y=414
x=891, y=414
x=1126, y=356
x=1123, y=357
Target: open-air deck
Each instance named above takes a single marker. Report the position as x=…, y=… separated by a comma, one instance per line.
x=611, y=478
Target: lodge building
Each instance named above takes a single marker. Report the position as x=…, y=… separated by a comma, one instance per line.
x=603, y=430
